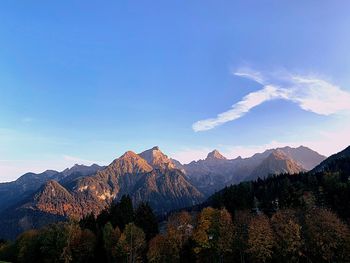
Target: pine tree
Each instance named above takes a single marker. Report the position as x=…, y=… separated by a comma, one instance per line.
x=146, y=220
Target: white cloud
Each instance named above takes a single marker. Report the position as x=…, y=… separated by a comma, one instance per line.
x=310, y=93
x=239, y=109
x=251, y=74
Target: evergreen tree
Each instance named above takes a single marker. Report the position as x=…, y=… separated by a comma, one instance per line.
x=122, y=213
x=146, y=220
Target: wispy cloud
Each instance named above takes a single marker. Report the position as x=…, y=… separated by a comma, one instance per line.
x=310, y=93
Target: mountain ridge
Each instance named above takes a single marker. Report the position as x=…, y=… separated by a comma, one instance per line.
x=148, y=176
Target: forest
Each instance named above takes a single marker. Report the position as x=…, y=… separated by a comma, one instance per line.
x=284, y=218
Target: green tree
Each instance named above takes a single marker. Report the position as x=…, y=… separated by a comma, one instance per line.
x=80, y=244
x=122, y=213
x=132, y=243
x=89, y=222
x=28, y=247
x=146, y=220
x=53, y=239
x=110, y=241
x=8, y=252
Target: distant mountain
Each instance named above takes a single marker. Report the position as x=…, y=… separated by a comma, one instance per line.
x=84, y=170
x=304, y=156
x=16, y=191
x=216, y=171
x=276, y=163
x=13, y=192
x=215, y=155
x=211, y=173
x=22, y=202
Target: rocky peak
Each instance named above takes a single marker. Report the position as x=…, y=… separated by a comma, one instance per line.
x=129, y=163
x=157, y=159
x=215, y=155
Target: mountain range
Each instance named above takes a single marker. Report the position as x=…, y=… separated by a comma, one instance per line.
x=34, y=200
x=216, y=171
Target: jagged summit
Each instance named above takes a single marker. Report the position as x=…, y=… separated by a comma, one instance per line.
x=215, y=155
x=129, y=163
x=128, y=154
x=157, y=159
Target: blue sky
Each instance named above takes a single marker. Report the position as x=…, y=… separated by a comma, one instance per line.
x=84, y=81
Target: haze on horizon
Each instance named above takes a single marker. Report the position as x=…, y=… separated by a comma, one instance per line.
x=83, y=82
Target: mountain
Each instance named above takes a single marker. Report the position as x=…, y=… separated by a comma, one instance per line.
x=215, y=155
x=14, y=192
x=216, y=171
x=304, y=156
x=276, y=163
x=148, y=176
x=336, y=162
x=154, y=179
x=157, y=159
x=211, y=173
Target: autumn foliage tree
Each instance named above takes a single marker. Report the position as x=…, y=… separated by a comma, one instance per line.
x=132, y=243
x=158, y=250
x=327, y=237
x=213, y=235
x=288, y=236
x=261, y=240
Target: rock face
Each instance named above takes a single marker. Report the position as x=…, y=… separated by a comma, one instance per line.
x=157, y=159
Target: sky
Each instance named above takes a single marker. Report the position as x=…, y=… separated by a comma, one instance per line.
x=85, y=81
